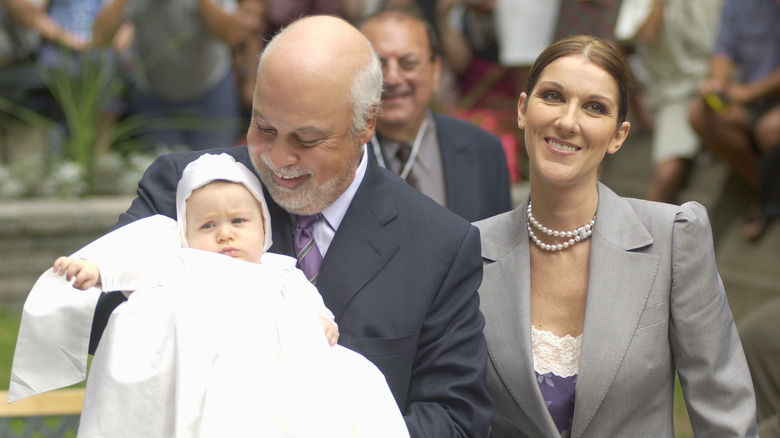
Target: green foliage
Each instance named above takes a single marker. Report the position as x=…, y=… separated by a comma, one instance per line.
x=84, y=86
x=9, y=329
x=82, y=96
x=682, y=424
x=17, y=425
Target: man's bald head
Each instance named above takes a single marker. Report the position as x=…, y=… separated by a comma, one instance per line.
x=318, y=89
x=329, y=52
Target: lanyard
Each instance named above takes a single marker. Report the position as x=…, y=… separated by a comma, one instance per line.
x=412, y=156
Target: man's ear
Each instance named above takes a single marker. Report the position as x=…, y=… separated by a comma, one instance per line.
x=365, y=137
x=436, y=72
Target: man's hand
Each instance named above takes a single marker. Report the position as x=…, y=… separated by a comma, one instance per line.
x=85, y=273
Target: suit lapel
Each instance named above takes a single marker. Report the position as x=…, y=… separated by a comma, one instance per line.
x=361, y=246
x=508, y=329
x=619, y=284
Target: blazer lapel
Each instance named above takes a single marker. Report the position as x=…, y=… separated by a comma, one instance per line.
x=361, y=246
x=619, y=284
x=508, y=332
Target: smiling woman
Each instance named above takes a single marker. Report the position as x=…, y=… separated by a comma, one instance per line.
x=570, y=119
x=609, y=311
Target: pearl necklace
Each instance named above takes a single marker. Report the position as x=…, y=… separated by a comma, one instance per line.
x=577, y=235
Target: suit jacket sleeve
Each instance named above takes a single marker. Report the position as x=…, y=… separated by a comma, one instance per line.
x=447, y=393
x=706, y=347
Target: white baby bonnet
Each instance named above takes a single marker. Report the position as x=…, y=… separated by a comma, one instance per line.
x=208, y=168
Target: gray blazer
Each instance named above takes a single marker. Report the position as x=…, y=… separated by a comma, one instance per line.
x=655, y=304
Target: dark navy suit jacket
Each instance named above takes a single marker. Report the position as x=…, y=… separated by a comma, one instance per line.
x=401, y=276
x=475, y=170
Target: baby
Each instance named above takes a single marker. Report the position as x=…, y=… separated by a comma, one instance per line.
x=221, y=209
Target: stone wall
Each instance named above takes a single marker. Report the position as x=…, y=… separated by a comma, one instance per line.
x=35, y=232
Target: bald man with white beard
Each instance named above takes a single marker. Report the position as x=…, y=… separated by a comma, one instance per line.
x=399, y=272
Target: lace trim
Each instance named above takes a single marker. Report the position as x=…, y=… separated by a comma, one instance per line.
x=553, y=354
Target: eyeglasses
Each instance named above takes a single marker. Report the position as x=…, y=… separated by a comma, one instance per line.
x=404, y=65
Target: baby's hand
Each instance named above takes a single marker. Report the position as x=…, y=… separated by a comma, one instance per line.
x=331, y=332
x=86, y=273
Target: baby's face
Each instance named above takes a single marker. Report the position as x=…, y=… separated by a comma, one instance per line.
x=225, y=218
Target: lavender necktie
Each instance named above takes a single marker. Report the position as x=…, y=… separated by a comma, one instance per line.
x=306, y=251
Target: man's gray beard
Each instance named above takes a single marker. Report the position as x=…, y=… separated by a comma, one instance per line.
x=307, y=197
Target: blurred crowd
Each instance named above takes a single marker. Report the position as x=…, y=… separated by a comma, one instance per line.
x=706, y=71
